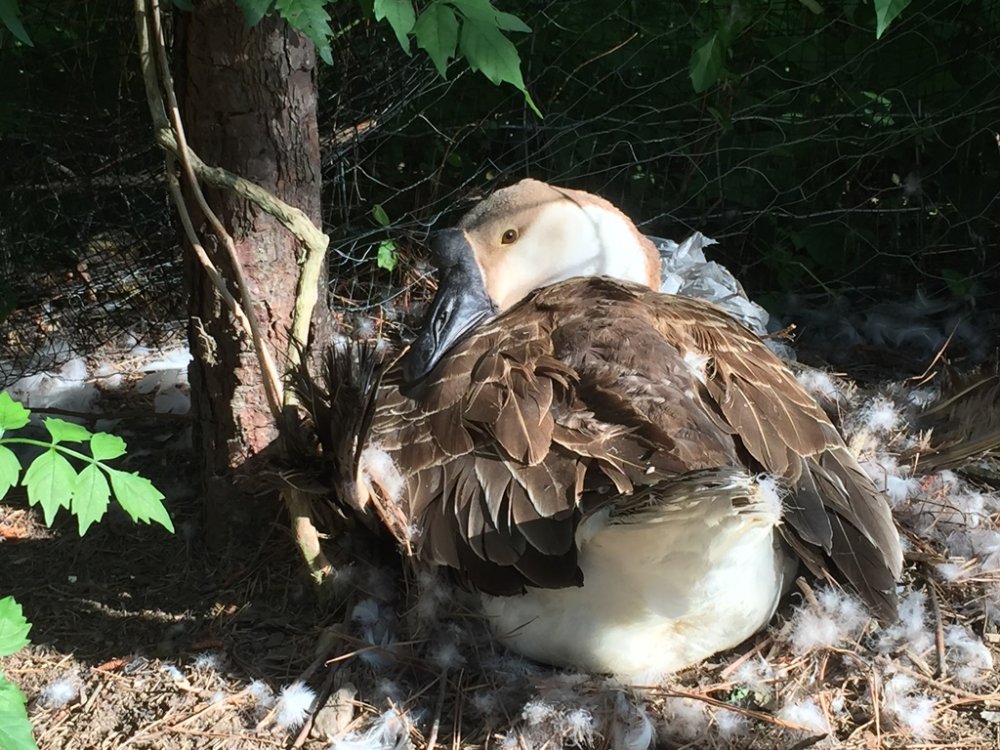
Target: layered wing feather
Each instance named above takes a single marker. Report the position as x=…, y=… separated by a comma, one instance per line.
x=557, y=408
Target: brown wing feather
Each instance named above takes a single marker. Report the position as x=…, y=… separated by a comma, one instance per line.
x=556, y=408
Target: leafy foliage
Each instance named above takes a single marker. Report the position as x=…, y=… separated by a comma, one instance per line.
x=707, y=62
x=15, y=729
x=387, y=251
x=10, y=16
x=53, y=482
x=886, y=12
x=437, y=34
x=444, y=28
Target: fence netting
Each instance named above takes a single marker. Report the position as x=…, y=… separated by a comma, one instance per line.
x=836, y=171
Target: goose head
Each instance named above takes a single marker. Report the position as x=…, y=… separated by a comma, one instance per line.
x=521, y=238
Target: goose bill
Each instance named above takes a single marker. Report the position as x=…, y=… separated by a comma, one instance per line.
x=461, y=304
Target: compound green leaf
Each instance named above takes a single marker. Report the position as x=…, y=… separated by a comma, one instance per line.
x=50, y=481
x=104, y=446
x=13, y=627
x=10, y=470
x=139, y=498
x=66, y=432
x=13, y=416
x=90, y=497
x=437, y=34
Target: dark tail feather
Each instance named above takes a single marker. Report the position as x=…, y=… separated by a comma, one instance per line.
x=965, y=423
x=341, y=405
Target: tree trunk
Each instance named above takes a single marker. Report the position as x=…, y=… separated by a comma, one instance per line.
x=249, y=106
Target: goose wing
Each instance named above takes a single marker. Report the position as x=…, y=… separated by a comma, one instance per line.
x=591, y=389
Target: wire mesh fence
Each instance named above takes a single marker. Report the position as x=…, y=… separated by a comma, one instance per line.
x=846, y=169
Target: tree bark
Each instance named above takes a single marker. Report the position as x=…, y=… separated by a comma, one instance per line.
x=249, y=105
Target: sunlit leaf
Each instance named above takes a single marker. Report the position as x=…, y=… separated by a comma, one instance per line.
x=90, y=497
x=104, y=447
x=13, y=627
x=386, y=257
x=13, y=416
x=140, y=499
x=15, y=728
x=437, y=34
x=50, y=481
x=10, y=470
x=401, y=17
x=66, y=432
x=886, y=12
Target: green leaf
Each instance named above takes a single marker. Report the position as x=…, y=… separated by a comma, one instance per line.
x=10, y=16
x=886, y=12
x=707, y=62
x=104, y=447
x=15, y=728
x=437, y=34
x=491, y=53
x=510, y=22
x=484, y=12
x=90, y=497
x=386, y=257
x=185, y=5
x=311, y=18
x=400, y=15
x=10, y=470
x=13, y=416
x=139, y=498
x=380, y=216
x=14, y=627
x=958, y=283
x=254, y=10
x=66, y=432
x=50, y=481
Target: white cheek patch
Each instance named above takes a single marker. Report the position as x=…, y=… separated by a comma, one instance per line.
x=566, y=240
x=621, y=256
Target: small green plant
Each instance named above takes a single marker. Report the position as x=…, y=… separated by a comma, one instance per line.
x=53, y=482
x=386, y=257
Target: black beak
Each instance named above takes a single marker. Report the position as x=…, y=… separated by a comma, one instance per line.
x=461, y=303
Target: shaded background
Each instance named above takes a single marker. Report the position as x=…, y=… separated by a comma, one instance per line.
x=837, y=172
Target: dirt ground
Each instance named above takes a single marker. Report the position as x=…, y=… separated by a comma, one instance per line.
x=165, y=644
x=160, y=637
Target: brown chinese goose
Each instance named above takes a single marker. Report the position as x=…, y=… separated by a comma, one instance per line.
x=628, y=477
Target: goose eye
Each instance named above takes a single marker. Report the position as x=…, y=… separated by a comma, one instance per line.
x=508, y=237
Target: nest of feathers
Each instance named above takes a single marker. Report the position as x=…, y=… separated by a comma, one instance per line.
x=423, y=670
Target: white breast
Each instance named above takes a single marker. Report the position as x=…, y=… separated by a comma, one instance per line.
x=658, y=595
